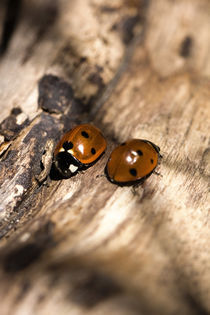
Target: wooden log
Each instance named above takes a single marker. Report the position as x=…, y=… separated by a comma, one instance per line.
x=83, y=245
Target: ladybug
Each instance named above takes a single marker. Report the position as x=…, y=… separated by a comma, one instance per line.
x=132, y=162
x=78, y=149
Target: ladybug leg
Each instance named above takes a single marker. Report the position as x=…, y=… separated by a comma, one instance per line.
x=137, y=193
x=135, y=189
x=100, y=175
x=158, y=174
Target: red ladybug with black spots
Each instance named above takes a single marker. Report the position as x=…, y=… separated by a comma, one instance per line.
x=132, y=162
x=78, y=149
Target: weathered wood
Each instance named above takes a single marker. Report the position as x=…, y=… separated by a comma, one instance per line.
x=83, y=245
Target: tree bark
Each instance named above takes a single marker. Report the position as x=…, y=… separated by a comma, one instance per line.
x=135, y=69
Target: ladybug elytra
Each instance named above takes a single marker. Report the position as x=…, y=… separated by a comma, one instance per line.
x=132, y=162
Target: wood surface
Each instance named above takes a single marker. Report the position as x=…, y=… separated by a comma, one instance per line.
x=133, y=68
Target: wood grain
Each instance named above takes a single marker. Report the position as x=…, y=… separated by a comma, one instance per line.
x=83, y=245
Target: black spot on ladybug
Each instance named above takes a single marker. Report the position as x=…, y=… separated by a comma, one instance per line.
x=85, y=134
x=68, y=145
x=152, y=161
x=140, y=153
x=133, y=171
x=93, y=151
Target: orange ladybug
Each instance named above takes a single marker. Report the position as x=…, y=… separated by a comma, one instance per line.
x=78, y=149
x=132, y=162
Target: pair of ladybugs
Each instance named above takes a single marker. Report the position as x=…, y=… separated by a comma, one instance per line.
x=129, y=163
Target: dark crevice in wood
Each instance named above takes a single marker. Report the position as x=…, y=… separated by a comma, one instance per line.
x=186, y=47
x=132, y=41
x=89, y=287
x=196, y=306
x=104, y=95
x=55, y=94
x=22, y=257
x=10, y=23
x=43, y=20
x=9, y=128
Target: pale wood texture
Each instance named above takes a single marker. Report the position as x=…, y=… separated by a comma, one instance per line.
x=83, y=245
